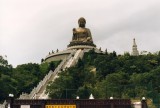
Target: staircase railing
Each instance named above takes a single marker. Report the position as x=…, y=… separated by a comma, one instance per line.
x=35, y=90
x=55, y=73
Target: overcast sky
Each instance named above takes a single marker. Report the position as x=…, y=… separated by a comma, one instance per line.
x=29, y=29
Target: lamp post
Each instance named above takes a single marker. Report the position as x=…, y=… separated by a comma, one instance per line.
x=144, y=103
x=77, y=97
x=77, y=102
x=10, y=101
x=111, y=98
x=112, y=105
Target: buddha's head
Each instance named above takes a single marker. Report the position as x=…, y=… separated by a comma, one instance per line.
x=81, y=22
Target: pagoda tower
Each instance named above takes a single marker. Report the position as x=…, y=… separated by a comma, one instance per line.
x=134, y=49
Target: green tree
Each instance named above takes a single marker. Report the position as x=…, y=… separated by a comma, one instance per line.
x=114, y=85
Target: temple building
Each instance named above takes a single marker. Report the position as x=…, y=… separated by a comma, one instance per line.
x=134, y=49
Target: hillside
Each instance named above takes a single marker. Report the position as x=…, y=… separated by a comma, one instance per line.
x=23, y=78
x=102, y=74
x=109, y=74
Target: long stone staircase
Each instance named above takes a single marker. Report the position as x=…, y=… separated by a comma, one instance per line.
x=39, y=91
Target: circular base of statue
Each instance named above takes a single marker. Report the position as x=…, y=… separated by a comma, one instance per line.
x=81, y=47
x=58, y=55
x=77, y=43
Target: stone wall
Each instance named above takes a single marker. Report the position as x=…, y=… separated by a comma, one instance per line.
x=58, y=56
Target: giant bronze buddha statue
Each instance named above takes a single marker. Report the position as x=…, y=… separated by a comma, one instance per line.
x=81, y=35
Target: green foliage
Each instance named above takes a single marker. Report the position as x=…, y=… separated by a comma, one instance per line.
x=23, y=78
x=109, y=74
x=103, y=75
x=113, y=85
x=27, y=76
x=8, y=85
x=84, y=91
x=72, y=82
x=6, y=82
